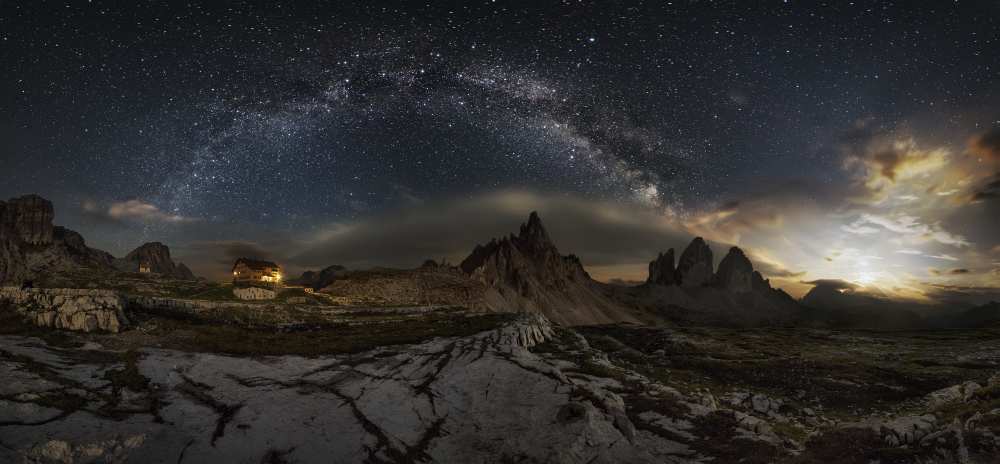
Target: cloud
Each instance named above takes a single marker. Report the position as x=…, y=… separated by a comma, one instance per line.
x=956, y=271
x=987, y=144
x=771, y=206
x=132, y=211
x=880, y=162
x=601, y=233
x=910, y=252
x=988, y=191
x=859, y=228
x=963, y=295
x=943, y=257
x=836, y=284
x=910, y=228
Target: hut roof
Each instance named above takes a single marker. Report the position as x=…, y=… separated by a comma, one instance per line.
x=255, y=264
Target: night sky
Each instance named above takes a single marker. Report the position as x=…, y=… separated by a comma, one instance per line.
x=842, y=140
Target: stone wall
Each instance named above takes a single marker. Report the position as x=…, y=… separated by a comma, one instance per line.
x=70, y=309
x=254, y=293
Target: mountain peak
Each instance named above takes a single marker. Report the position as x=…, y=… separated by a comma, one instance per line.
x=156, y=257
x=533, y=231
x=736, y=272
x=694, y=268
x=661, y=269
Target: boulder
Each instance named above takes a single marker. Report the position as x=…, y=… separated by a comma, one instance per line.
x=661, y=269
x=694, y=268
x=735, y=273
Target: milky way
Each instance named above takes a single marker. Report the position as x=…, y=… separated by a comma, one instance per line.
x=294, y=116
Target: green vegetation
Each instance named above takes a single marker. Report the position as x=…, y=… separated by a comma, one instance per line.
x=842, y=372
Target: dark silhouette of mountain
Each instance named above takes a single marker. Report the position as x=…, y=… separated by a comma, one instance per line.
x=526, y=272
x=155, y=256
x=321, y=279
x=987, y=315
x=735, y=295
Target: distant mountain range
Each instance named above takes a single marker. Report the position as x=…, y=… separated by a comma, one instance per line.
x=519, y=272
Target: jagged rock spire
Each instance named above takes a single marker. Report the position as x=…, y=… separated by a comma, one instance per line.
x=735, y=273
x=533, y=233
x=695, y=266
x=661, y=269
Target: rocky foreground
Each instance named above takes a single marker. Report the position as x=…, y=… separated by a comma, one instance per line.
x=521, y=391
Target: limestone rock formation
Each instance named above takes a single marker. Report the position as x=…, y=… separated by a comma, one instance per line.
x=661, y=269
x=70, y=309
x=157, y=256
x=30, y=217
x=736, y=273
x=12, y=264
x=695, y=265
x=528, y=261
x=527, y=273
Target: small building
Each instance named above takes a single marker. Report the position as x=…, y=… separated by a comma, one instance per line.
x=145, y=268
x=253, y=271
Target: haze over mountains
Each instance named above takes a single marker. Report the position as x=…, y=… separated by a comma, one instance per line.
x=519, y=272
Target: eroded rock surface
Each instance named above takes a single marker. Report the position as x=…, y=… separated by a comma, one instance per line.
x=70, y=309
x=526, y=391
x=484, y=398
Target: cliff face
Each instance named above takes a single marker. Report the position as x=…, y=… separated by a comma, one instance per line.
x=736, y=273
x=24, y=221
x=735, y=295
x=29, y=217
x=695, y=266
x=661, y=269
x=32, y=248
x=525, y=272
x=12, y=264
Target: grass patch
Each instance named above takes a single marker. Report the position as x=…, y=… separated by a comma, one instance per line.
x=201, y=336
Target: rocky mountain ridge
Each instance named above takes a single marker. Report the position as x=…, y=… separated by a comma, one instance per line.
x=157, y=256
x=735, y=273
x=526, y=272
x=32, y=248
